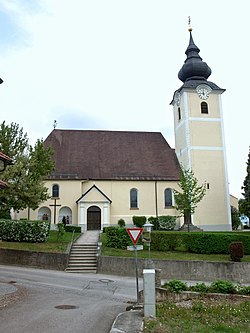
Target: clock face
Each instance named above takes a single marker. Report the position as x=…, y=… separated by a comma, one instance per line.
x=203, y=91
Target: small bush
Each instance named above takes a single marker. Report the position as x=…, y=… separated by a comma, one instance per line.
x=117, y=238
x=139, y=221
x=176, y=286
x=60, y=231
x=245, y=290
x=200, y=288
x=70, y=228
x=236, y=250
x=154, y=220
x=223, y=287
x=167, y=222
x=121, y=223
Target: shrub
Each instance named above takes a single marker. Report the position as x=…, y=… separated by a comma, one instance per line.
x=223, y=287
x=167, y=222
x=121, y=223
x=235, y=218
x=236, y=250
x=245, y=290
x=176, y=286
x=139, y=221
x=117, y=237
x=70, y=228
x=165, y=241
x=60, y=230
x=154, y=220
x=24, y=231
x=200, y=288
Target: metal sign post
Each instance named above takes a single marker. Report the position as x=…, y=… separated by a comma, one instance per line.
x=134, y=234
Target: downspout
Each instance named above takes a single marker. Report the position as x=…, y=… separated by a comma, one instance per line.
x=156, y=200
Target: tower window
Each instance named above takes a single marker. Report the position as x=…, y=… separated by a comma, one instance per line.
x=179, y=113
x=204, y=107
x=55, y=191
x=133, y=198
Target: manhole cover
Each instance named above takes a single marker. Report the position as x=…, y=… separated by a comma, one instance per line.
x=66, y=307
x=106, y=280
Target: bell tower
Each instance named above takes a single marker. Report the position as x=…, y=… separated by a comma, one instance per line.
x=199, y=139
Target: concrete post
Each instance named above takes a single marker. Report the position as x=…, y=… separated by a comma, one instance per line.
x=149, y=292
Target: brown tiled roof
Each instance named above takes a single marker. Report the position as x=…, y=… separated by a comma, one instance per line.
x=85, y=154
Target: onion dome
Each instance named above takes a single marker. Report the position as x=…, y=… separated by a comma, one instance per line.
x=194, y=68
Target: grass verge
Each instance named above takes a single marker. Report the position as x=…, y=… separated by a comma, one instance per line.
x=200, y=318
x=52, y=245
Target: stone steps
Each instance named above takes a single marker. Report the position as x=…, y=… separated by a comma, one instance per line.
x=82, y=258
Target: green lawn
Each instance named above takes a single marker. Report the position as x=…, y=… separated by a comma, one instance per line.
x=201, y=317
x=52, y=245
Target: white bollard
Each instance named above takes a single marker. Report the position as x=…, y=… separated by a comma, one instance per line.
x=149, y=292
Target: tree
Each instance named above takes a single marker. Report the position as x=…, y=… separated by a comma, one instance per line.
x=26, y=176
x=244, y=204
x=235, y=218
x=192, y=193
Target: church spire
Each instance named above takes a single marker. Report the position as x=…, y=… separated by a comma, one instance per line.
x=194, y=68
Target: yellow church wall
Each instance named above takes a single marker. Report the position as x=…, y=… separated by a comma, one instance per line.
x=208, y=167
x=119, y=193
x=205, y=133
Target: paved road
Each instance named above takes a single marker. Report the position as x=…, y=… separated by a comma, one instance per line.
x=95, y=300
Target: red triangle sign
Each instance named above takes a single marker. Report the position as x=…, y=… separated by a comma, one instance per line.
x=134, y=234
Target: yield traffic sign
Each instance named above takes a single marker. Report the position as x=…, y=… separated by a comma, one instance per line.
x=134, y=234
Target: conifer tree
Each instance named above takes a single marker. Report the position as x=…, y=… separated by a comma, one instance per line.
x=245, y=203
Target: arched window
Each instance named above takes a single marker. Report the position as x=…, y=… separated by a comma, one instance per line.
x=179, y=113
x=204, y=107
x=55, y=191
x=168, y=197
x=133, y=198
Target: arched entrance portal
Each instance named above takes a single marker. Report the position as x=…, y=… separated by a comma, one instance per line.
x=94, y=218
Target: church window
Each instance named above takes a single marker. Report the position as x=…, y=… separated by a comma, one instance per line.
x=204, y=107
x=179, y=113
x=168, y=197
x=133, y=198
x=55, y=191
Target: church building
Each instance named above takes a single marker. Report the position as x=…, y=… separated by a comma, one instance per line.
x=103, y=176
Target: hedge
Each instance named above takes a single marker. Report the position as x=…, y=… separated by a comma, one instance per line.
x=24, y=231
x=197, y=242
x=70, y=228
x=214, y=242
x=118, y=238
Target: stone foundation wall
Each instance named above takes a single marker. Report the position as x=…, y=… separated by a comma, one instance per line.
x=57, y=261
x=180, y=270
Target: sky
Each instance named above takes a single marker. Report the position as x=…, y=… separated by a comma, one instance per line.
x=113, y=65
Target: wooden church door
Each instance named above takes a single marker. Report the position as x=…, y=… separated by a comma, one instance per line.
x=94, y=218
